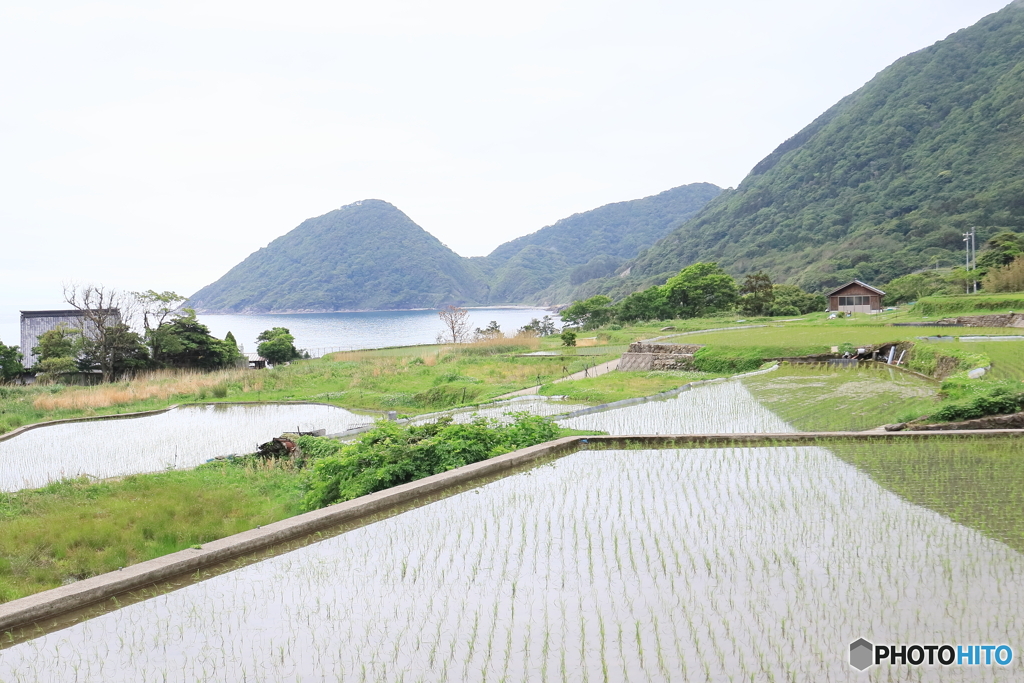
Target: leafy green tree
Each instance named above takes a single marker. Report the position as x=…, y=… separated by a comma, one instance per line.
x=568, y=338
x=60, y=342
x=10, y=362
x=589, y=313
x=184, y=342
x=700, y=289
x=230, y=339
x=492, y=331
x=758, y=294
x=791, y=300
x=1000, y=250
x=277, y=345
x=915, y=286
x=649, y=304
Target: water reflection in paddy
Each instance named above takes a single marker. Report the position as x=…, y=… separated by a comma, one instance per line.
x=184, y=437
x=689, y=564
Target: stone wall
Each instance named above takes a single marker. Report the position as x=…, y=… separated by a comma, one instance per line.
x=645, y=357
x=992, y=320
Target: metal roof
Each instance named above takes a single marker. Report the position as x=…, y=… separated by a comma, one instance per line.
x=857, y=282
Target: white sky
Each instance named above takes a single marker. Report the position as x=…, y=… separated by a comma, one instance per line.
x=155, y=145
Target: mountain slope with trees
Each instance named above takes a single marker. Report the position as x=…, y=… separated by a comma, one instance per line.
x=371, y=256
x=880, y=185
x=364, y=256
x=589, y=245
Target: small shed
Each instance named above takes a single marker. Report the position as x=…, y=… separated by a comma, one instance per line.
x=255, y=361
x=855, y=297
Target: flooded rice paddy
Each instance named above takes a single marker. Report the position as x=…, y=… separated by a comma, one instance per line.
x=712, y=408
x=725, y=564
x=184, y=437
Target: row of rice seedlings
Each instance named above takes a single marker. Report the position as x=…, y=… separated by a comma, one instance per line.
x=825, y=398
x=755, y=564
x=713, y=408
x=184, y=437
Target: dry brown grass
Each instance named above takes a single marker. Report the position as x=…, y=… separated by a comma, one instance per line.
x=160, y=385
x=522, y=341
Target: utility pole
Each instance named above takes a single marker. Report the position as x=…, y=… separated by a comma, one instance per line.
x=967, y=259
x=974, y=249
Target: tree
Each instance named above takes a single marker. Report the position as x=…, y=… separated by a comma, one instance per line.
x=1008, y=278
x=157, y=307
x=58, y=352
x=592, y=312
x=700, y=289
x=230, y=339
x=912, y=287
x=492, y=331
x=120, y=351
x=568, y=338
x=649, y=304
x=184, y=342
x=1000, y=250
x=109, y=342
x=10, y=362
x=758, y=294
x=456, y=325
x=277, y=345
x=790, y=298
x=544, y=327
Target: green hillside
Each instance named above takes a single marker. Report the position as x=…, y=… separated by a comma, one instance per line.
x=364, y=256
x=589, y=245
x=883, y=183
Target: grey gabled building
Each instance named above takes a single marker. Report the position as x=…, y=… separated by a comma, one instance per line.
x=35, y=324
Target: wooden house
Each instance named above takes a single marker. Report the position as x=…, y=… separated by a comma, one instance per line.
x=855, y=297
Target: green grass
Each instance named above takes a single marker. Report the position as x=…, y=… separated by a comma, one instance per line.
x=975, y=482
x=72, y=530
x=967, y=304
x=822, y=398
x=1007, y=356
x=615, y=386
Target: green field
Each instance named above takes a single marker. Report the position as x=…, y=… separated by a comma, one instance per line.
x=975, y=482
x=823, y=398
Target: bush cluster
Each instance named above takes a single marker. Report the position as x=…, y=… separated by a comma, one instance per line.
x=998, y=401
x=391, y=454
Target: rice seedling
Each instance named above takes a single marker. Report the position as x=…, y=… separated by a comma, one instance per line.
x=825, y=398
x=753, y=563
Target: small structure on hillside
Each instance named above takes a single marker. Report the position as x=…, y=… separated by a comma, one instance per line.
x=35, y=324
x=855, y=297
x=645, y=356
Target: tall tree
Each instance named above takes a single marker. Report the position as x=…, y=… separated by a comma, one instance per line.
x=277, y=345
x=184, y=342
x=102, y=312
x=455, y=321
x=700, y=289
x=758, y=294
x=10, y=362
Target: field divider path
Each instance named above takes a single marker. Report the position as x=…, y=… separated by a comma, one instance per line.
x=596, y=371
x=47, y=605
x=95, y=418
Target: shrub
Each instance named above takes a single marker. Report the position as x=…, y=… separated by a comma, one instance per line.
x=727, y=360
x=998, y=401
x=391, y=454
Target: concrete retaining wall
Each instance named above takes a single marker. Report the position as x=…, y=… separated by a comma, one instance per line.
x=53, y=603
x=993, y=320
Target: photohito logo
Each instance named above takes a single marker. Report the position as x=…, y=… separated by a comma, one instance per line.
x=863, y=655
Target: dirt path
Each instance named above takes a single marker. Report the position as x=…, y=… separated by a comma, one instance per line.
x=595, y=371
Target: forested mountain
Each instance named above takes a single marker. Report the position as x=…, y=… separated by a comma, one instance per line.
x=588, y=245
x=371, y=256
x=364, y=256
x=880, y=185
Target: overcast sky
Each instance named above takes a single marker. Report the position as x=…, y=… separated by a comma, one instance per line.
x=155, y=145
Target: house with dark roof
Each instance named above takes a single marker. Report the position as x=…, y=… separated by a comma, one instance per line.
x=855, y=297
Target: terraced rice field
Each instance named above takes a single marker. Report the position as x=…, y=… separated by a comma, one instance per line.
x=725, y=564
x=826, y=398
